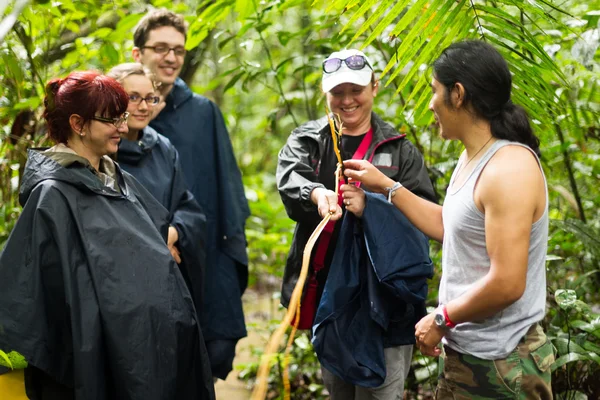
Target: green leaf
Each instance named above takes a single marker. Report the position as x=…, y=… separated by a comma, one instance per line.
x=366, y=6
x=412, y=12
x=244, y=8
x=7, y=362
x=385, y=22
x=110, y=53
x=425, y=373
x=233, y=81
x=568, y=358
x=194, y=39
x=302, y=342
x=406, y=53
x=565, y=298
x=129, y=22
x=30, y=103
x=283, y=63
x=374, y=17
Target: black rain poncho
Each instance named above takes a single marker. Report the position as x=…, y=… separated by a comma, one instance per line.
x=90, y=293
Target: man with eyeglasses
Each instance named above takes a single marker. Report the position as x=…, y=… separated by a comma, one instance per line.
x=195, y=126
x=361, y=305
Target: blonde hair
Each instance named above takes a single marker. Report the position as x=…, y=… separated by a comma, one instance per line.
x=122, y=71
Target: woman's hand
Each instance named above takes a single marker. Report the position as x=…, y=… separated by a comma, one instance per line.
x=428, y=336
x=354, y=199
x=363, y=171
x=326, y=202
x=172, y=238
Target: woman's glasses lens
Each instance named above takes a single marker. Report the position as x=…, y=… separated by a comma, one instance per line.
x=117, y=122
x=355, y=62
x=151, y=100
x=332, y=65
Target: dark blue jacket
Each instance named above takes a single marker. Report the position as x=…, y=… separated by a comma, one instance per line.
x=154, y=162
x=196, y=128
x=377, y=282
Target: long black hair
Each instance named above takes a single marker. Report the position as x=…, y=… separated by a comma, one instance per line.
x=484, y=74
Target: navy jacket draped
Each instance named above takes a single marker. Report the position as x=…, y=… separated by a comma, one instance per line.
x=378, y=272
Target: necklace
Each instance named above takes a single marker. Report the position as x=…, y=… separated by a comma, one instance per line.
x=462, y=168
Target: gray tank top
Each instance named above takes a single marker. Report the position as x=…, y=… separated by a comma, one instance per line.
x=465, y=260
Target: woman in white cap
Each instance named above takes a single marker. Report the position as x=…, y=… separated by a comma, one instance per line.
x=306, y=182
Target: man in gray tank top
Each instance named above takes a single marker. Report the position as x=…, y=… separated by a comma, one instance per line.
x=494, y=229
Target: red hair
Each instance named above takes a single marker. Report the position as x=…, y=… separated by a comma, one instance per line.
x=85, y=93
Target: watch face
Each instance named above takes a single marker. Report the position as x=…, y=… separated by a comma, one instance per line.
x=440, y=320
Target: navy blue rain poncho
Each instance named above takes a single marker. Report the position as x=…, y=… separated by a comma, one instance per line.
x=196, y=128
x=154, y=162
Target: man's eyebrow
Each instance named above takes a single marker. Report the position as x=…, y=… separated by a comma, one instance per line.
x=167, y=44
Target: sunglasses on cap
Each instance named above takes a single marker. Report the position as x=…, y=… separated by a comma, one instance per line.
x=355, y=62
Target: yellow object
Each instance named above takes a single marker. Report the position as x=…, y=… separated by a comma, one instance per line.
x=12, y=385
x=260, y=387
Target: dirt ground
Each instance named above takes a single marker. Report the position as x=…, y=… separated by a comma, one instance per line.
x=258, y=309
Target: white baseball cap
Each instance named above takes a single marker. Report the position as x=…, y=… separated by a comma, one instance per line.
x=344, y=74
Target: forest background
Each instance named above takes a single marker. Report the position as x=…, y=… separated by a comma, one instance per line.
x=260, y=61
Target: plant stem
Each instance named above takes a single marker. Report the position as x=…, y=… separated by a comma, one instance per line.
x=572, y=181
x=271, y=63
x=26, y=41
x=479, y=25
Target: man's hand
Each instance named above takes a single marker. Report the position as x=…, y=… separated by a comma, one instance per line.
x=326, y=202
x=172, y=238
x=354, y=199
x=429, y=335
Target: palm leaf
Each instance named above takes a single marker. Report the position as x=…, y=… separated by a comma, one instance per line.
x=423, y=28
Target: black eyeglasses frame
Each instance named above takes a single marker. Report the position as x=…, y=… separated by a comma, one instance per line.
x=116, y=122
x=156, y=99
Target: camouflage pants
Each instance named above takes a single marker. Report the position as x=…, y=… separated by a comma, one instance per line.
x=524, y=374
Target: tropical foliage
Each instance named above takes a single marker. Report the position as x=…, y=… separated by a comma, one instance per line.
x=260, y=61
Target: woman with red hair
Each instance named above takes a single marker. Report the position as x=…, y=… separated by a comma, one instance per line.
x=92, y=299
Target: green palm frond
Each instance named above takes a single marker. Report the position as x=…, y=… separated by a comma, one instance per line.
x=425, y=27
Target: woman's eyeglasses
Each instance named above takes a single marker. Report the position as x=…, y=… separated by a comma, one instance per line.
x=355, y=62
x=117, y=122
x=150, y=100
